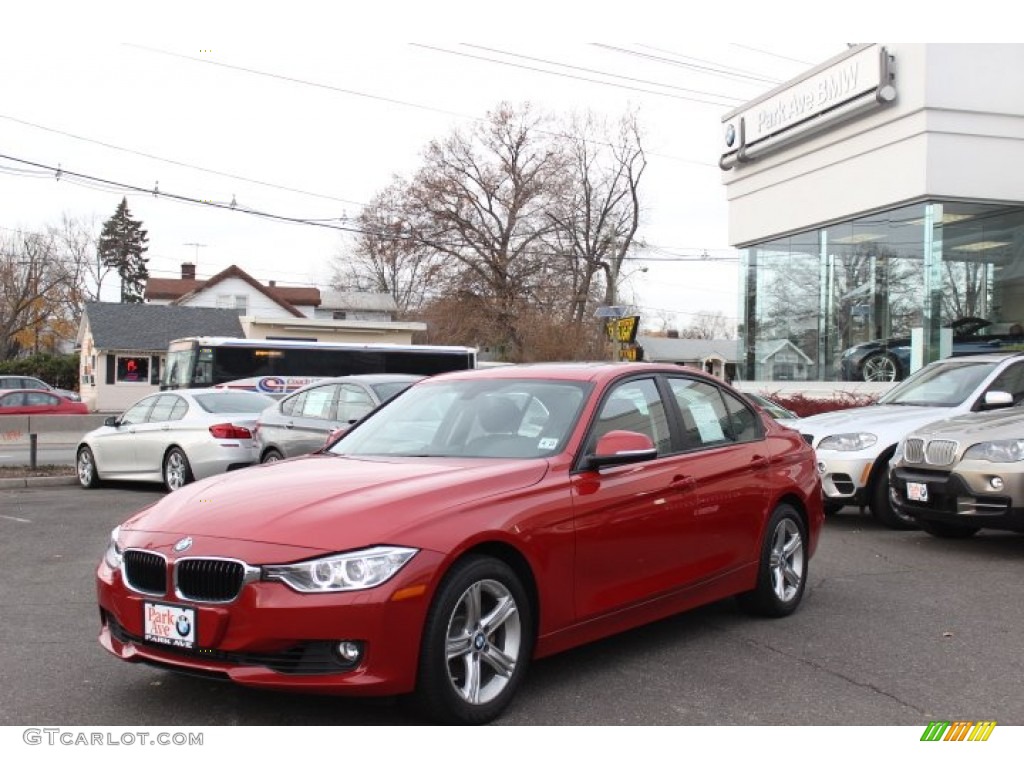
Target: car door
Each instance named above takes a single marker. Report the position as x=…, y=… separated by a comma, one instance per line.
x=634, y=523
x=726, y=454
x=155, y=435
x=354, y=402
x=114, y=448
x=312, y=421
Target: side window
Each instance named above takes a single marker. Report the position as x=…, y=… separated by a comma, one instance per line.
x=746, y=426
x=12, y=400
x=634, y=406
x=353, y=403
x=179, y=410
x=705, y=418
x=293, y=405
x=39, y=398
x=317, y=404
x=162, y=410
x=1010, y=380
x=137, y=413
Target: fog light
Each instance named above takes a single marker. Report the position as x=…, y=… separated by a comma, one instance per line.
x=350, y=650
x=822, y=469
x=996, y=483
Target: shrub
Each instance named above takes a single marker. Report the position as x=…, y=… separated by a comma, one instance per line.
x=802, y=405
x=56, y=370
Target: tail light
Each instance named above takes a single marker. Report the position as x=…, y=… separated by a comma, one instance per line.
x=230, y=432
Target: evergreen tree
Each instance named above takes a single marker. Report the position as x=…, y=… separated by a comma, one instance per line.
x=121, y=245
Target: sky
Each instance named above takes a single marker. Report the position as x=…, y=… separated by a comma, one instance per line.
x=308, y=114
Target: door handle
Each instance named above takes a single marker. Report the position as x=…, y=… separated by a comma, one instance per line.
x=760, y=462
x=684, y=482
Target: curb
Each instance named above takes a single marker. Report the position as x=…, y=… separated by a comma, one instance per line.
x=36, y=482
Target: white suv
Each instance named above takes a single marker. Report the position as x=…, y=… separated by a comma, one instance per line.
x=854, y=446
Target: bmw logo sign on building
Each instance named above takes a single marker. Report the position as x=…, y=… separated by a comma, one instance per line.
x=730, y=135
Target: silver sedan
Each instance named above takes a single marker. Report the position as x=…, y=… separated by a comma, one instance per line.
x=174, y=438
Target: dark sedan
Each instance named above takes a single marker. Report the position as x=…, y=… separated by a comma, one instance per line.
x=889, y=359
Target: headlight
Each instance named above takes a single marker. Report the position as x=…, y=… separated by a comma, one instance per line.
x=1000, y=451
x=364, y=569
x=112, y=556
x=849, y=441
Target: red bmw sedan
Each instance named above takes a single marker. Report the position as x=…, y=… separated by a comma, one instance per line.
x=479, y=520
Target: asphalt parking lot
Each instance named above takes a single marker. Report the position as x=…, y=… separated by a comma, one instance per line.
x=895, y=629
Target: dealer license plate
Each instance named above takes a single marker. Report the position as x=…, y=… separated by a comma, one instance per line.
x=917, y=491
x=173, y=625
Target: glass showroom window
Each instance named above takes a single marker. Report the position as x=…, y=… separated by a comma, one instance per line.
x=896, y=275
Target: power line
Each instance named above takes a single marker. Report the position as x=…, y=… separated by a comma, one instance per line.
x=776, y=55
x=712, y=69
x=572, y=77
x=400, y=102
x=178, y=163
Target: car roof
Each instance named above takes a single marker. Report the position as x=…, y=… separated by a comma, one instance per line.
x=594, y=371
x=33, y=391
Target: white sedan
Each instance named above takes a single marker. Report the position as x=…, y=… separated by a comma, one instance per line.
x=173, y=438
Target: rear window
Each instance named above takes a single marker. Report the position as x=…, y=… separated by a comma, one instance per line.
x=233, y=402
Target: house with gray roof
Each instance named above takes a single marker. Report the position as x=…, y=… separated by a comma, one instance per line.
x=715, y=356
x=123, y=346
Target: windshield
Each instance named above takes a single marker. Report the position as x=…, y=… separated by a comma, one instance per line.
x=233, y=402
x=489, y=418
x=946, y=384
x=178, y=369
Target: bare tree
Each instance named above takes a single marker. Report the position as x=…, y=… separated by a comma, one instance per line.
x=385, y=257
x=481, y=201
x=599, y=214
x=708, y=325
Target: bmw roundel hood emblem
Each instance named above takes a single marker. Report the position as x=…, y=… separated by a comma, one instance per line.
x=183, y=544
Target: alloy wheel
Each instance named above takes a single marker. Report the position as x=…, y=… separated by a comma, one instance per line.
x=483, y=642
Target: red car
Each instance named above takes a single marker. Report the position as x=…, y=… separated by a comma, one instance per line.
x=479, y=520
x=30, y=402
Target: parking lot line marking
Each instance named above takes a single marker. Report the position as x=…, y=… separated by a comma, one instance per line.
x=15, y=519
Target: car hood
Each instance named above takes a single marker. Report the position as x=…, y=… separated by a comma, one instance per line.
x=332, y=503
x=882, y=420
x=976, y=427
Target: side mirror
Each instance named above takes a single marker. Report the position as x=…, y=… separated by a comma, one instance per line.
x=335, y=436
x=996, y=399
x=621, y=447
x=110, y=421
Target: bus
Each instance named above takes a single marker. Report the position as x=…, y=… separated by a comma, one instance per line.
x=208, y=361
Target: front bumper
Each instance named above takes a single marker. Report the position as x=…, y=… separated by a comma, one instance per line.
x=273, y=637
x=844, y=478
x=953, y=500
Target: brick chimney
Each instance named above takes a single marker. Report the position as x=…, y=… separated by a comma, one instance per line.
x=188, y=271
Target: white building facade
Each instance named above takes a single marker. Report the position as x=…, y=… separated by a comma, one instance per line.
x=877, y=198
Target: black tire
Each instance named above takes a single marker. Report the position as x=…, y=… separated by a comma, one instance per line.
x=177, y=472
x=782, y=570
x=881, y=366
x=882, y=508
x=832, y=507
x=947, y=530
x=472, y=592
x=271, y=456
x=85, y=465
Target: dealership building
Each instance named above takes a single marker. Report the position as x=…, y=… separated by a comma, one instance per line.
x=879, y=196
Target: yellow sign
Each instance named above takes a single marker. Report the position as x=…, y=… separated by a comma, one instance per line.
x=623, y=330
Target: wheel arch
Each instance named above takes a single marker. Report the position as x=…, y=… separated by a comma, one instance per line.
x=878, y=468
x=514, y=559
